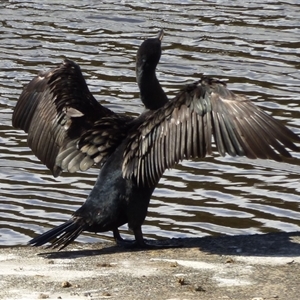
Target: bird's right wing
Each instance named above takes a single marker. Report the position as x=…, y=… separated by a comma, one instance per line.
x=67, y=128
x=186, y=126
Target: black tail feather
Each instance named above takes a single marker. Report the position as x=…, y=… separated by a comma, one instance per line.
x=60, y=236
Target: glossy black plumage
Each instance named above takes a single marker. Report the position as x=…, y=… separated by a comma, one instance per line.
x=69, y=130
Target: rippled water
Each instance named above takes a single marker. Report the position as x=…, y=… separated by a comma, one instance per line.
x=255, y=47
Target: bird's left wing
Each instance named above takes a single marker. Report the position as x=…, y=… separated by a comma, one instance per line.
x=68, y=129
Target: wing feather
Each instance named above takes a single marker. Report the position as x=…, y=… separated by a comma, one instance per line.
x=64, y=121
x=186, y=126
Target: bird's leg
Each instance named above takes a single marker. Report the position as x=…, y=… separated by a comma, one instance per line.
x=117, y=236
x=139, y=242
x=121, y=242
x=139, y=239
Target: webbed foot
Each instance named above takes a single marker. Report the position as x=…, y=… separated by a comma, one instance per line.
x=139, y=242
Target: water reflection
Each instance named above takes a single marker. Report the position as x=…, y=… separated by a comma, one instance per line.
x=254, y=46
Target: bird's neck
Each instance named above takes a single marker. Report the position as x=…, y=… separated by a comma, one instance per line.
x=151, y=92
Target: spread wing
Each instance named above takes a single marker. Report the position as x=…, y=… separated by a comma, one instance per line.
x=67, y=128
x=186, y=126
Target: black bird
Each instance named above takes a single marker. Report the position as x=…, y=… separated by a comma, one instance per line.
x=69, y=130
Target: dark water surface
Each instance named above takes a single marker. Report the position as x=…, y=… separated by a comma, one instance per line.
x=255, y=47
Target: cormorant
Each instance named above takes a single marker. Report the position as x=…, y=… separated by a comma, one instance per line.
x=69, y=130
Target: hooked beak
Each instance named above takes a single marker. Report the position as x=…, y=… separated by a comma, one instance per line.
x=160, y=35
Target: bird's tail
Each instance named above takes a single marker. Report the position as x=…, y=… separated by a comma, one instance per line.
x=60, y=236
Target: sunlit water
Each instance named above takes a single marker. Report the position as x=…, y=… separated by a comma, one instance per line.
x=254, y=47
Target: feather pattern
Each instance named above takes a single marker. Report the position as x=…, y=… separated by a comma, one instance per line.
x=67, y=128
x=186, y=127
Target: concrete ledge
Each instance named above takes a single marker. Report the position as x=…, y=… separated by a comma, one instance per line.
x=254, y=267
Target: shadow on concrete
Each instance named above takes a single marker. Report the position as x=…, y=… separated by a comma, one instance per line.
x=270, y=244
